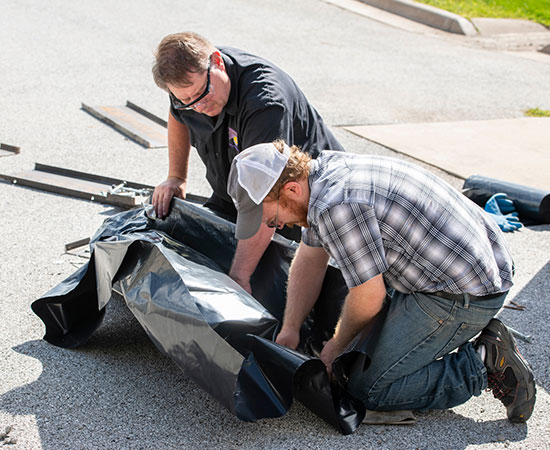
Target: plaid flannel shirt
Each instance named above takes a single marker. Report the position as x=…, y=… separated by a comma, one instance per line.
x=377, y=215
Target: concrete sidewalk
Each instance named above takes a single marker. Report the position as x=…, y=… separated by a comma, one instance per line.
x=514, y=150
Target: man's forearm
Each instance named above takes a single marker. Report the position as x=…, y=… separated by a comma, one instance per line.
x=307, y=273
x=362, y=304
x=179, y=147
x=248, y=254
x=178, y=162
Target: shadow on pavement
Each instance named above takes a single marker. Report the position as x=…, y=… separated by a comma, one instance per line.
x=119, y=390
x=115, y=390
x=533, y=321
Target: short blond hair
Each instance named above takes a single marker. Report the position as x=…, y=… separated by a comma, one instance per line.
x=297, y=168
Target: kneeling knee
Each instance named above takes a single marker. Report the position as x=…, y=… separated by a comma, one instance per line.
x=358, y=388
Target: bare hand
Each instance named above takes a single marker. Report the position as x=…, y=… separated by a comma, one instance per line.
x=330, y=352
x=171, y=187
x=288, y=338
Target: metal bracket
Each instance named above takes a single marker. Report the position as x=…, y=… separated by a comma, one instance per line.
x=76, y=244
x=7, y=150
x=88, y=186
x=123, y=189
x=133, y=121
x=82, y=185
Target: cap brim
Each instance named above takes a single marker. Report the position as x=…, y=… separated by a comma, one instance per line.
x=248, y=222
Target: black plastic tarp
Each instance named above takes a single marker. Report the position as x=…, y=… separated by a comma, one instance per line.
x=172, y=274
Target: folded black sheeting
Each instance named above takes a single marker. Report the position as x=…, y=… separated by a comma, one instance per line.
x=172, y=274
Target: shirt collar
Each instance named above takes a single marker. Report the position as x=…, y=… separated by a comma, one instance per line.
x=313, y=169
x=231, y=105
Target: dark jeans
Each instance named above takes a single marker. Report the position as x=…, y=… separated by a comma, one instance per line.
x=412, y=365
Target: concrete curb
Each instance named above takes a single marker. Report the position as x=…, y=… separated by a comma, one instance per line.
x=428, y=15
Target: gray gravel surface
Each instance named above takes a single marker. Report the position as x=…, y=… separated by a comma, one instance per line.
x=118, y=391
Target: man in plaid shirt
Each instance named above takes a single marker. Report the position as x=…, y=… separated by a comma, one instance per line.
x=392, y=226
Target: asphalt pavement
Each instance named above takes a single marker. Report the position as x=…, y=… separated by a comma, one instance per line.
x=118, y=391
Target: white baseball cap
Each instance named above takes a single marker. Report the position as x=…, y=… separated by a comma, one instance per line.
x=253, y=173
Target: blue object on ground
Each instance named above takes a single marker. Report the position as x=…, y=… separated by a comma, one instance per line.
x=509, y=222
x=499, y=204
x=531, y=204
x=502, y=210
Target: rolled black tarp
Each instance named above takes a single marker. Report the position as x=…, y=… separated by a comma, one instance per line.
x=531, y=203
x=173, y=276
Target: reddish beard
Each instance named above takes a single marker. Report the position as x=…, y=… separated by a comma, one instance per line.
x=296, y=209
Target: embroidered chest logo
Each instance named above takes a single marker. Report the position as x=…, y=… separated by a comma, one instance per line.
x=233, y=140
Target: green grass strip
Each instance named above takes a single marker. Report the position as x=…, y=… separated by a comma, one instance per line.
x=536, y=112
x=535, y=10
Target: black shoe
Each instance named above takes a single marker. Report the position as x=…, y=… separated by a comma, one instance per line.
x=509, y=376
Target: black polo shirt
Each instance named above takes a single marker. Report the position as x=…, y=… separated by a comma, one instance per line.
x=264, y=104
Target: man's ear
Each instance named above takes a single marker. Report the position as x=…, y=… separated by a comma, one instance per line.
x=293, y=190
x=216, y=59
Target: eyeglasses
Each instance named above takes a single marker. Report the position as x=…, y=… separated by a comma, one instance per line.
x=177, y=103
x=273, y=223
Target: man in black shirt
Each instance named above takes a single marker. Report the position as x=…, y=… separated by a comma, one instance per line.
x=224, y=100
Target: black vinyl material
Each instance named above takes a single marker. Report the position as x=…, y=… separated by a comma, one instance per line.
x=172, y=274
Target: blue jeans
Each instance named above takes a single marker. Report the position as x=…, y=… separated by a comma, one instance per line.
x=412, y=366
